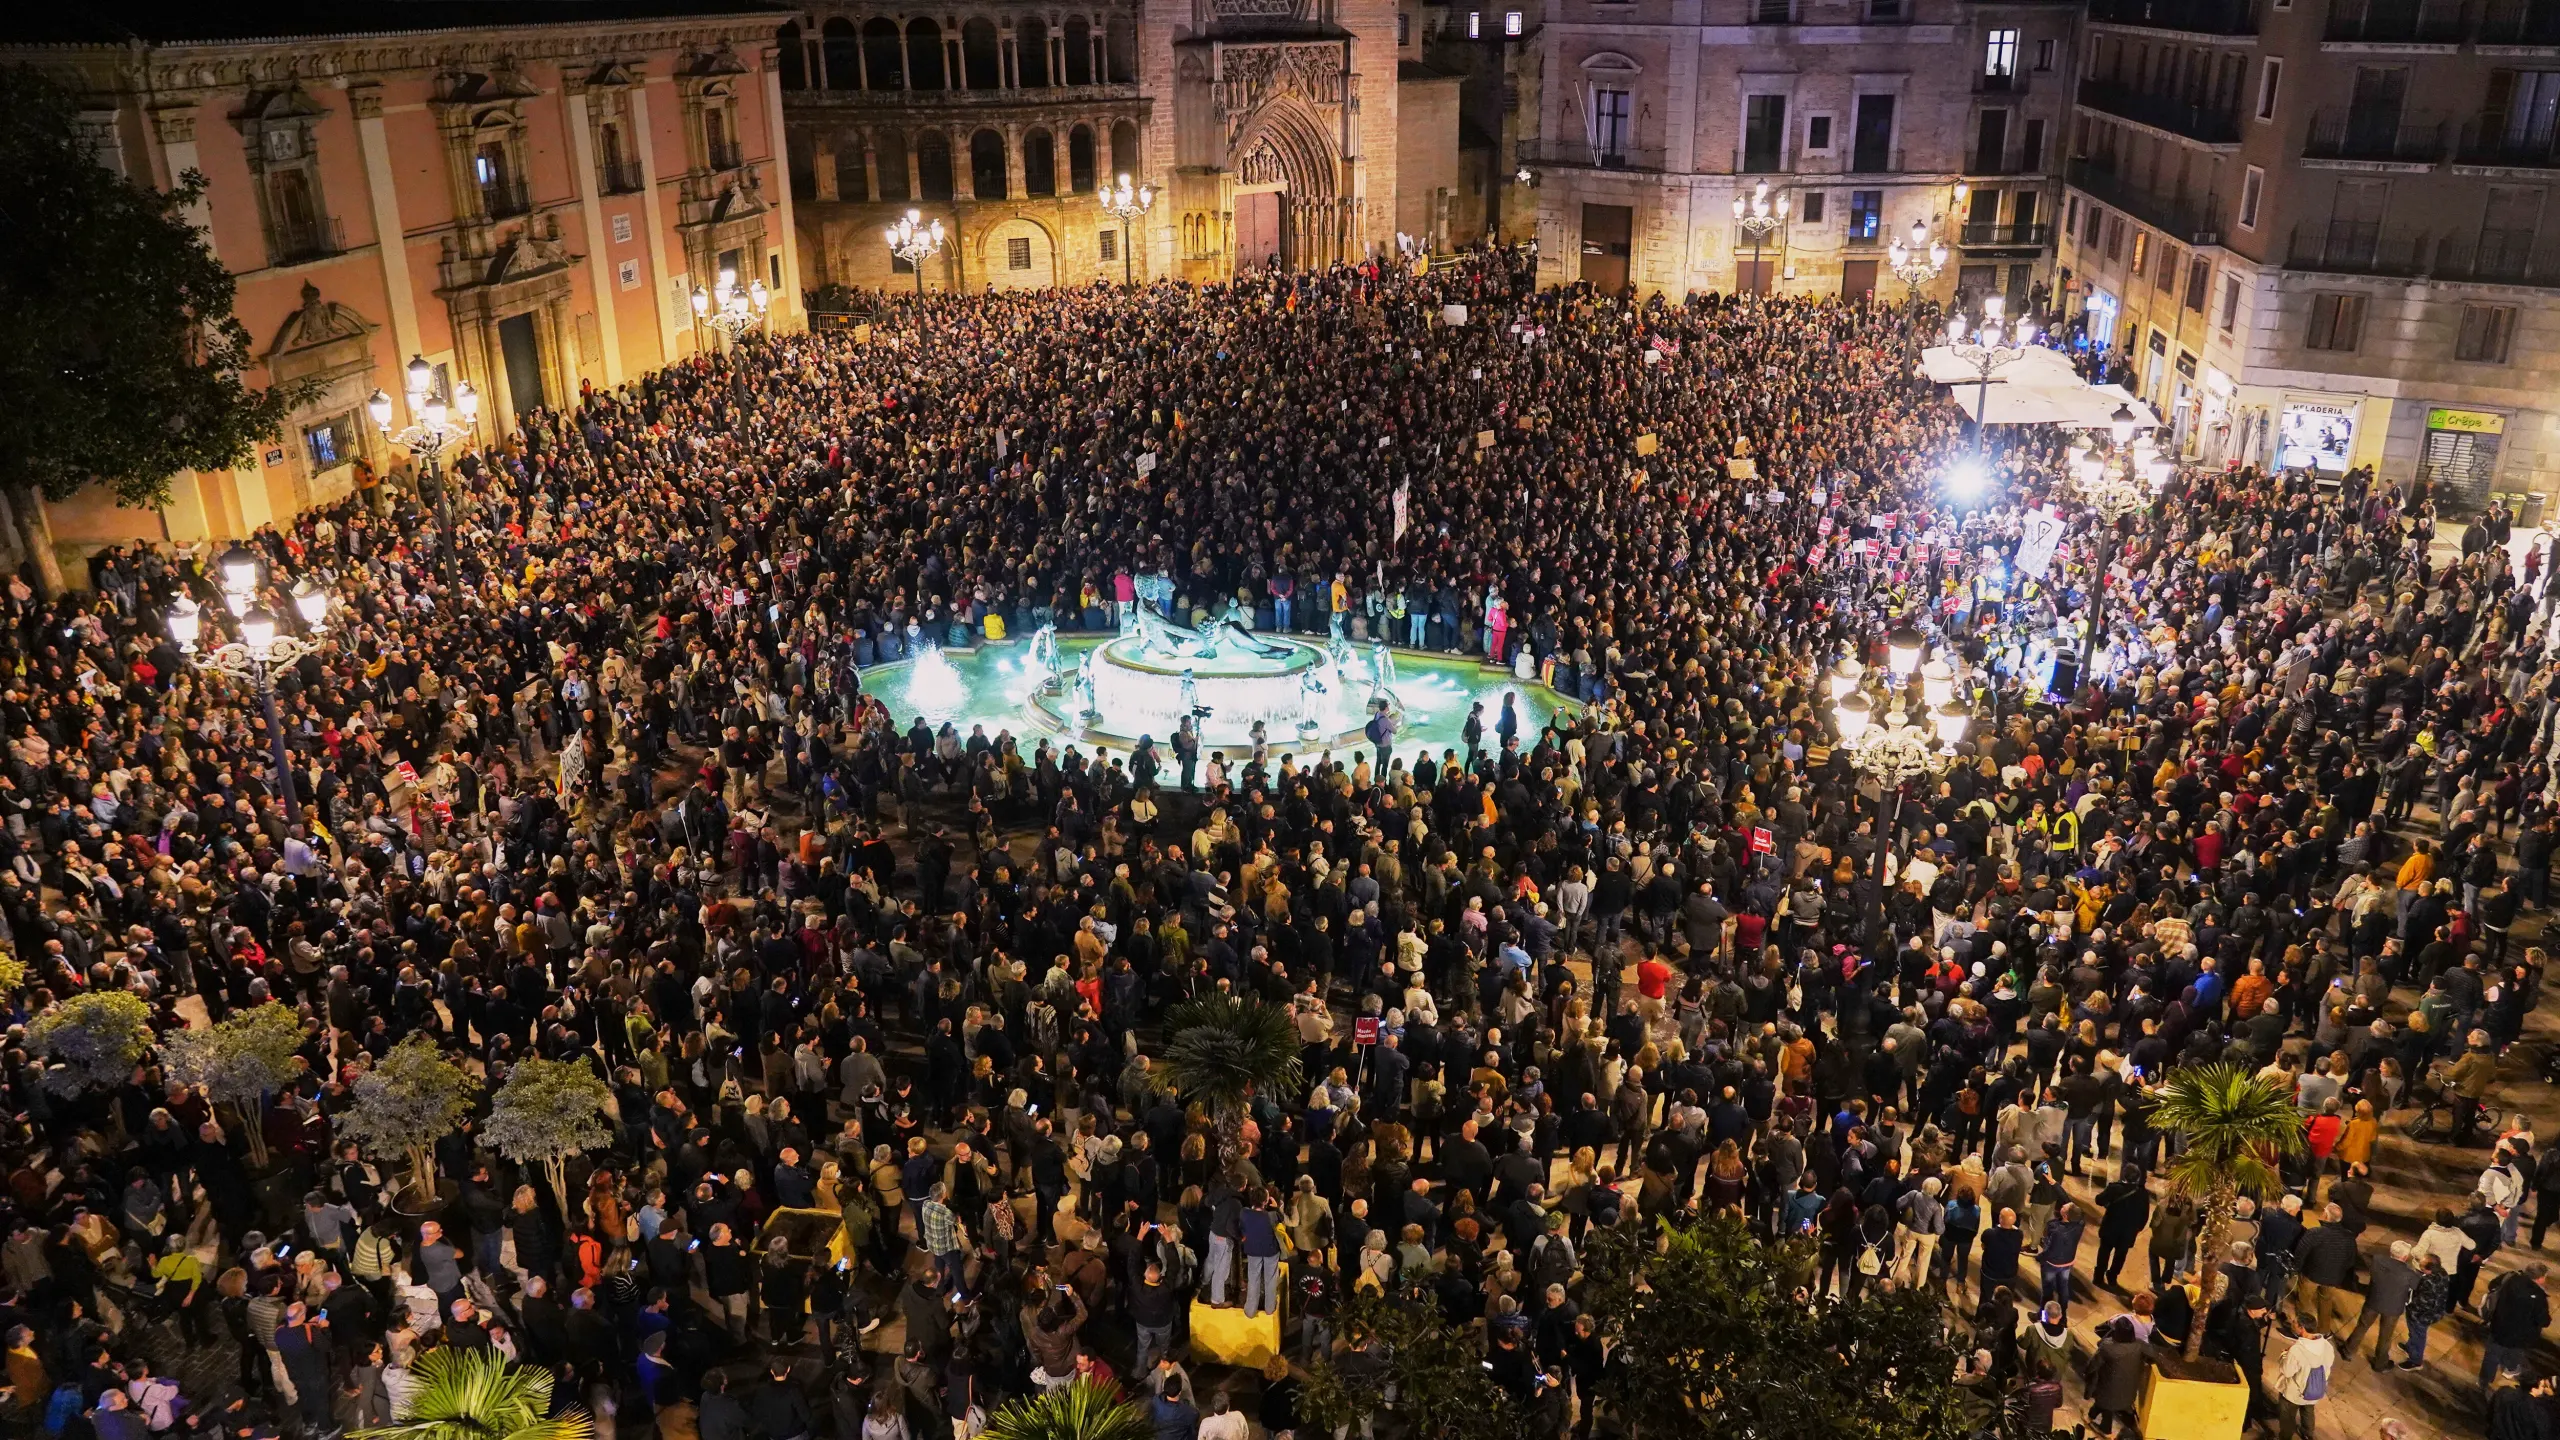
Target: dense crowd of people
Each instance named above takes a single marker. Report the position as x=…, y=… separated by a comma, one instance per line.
x=595, y=776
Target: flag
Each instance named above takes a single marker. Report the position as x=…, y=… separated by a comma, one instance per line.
x=1403, y=500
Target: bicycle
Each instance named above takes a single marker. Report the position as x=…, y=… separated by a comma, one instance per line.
x=2438, y=1120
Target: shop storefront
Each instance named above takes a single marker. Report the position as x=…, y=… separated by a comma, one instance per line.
x=2458, y=458
x=2316, y=435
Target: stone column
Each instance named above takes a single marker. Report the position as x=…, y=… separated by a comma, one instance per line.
x=582, y=148
x=964, y=173
x=870, y=167
x=822, y=166
x=1013, y=167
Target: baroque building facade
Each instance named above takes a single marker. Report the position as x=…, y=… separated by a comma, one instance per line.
x=526, y=204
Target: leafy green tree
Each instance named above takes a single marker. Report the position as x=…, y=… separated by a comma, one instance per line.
x=1435, y=1372
x=1081, y=1411
x=548, y=1111
x=1222, y=1052
x=1718, y=1334
x=408, y=1102
x=239, y=1063
x=118, y=349
x=93, y=1040
x=479, y=1395
x=2234, y=1129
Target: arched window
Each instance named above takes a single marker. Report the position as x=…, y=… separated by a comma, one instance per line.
x=933, y=165
x=1079, y=51
x=1031, y=53
x=842, y=47
x=986, y=165
x=1120, y=51
x=793, y=60
x=1039, y=164
x=880, y=55
x=1124, y=148
x=924, y=56
x=979, y=61
x=889, y=153
x=1080, y=160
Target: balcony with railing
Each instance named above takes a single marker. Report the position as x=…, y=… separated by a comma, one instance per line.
x=2188, y=17
x=2371, y=136
x=2003, y=234
x=2519, y=22
x=621, y=175
x=298, y=242
x=2494, y=257
x=2205, y=124
x=2004, y=82
x=2429, y=23
x=2528, y=148
x=1584, y=155
x=2357, y=247
x=504, y=196
x=2193, y=221
x=726, y=156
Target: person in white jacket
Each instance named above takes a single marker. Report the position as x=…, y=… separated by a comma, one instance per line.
x=2309, y=1369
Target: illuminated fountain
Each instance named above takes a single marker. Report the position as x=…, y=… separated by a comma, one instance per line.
x=1222, y=676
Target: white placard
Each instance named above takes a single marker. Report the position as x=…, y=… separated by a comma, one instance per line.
x=1453, y=314
x=2039, y=535
x=1147, y=463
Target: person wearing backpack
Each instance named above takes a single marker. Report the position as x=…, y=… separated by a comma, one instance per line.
x=2304, y=1383
x=1551, y=1258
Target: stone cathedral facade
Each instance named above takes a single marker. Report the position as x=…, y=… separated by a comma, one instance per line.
x=1267, y=129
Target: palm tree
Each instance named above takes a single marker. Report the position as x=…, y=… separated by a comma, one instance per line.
x=2233, y=1128
x=1082, y=1411
x=479, y=1395
x=1223, y=1052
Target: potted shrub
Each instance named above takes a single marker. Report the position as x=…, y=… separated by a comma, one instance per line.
x=547, y=1111
x=404, y=1105
x=239, y=1063
x=91, y=1042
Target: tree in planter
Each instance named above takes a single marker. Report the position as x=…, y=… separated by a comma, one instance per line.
x=1082, y=1411
x=1436, y=1372
x=548, y=1111
x=1223, y=1051
x=119, y=351
x=479, y=1395
x=413, y=1098
x=92, y=1040
x=240, y=1062
x=2233, y=1131
x=13, y=971
x=1721, y=1335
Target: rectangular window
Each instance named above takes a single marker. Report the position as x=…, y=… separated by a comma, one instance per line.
x=1884, y=9
x=1510, y=22
x=2337, y=322
x=2000, y=54
x=333, y=442
x=1475, y=24
x=2487, y=332
x=1772, y=12
x=2253, y=186
x=2097, y=226
x=2141, y=249
x=1017, y=252
x=1612, y=124
x=2165, y=269
x=2270, y=82
x=1404, y=28
x=1871, y=145
x=1764, y=133
x=1110, y=245
x=2199, y=283
x=2115, y=238
x=2031, y=149
x=1809, y=207
x=2044, y=54
x=2230, y=302
x=1817, y=134
x=1866, y=214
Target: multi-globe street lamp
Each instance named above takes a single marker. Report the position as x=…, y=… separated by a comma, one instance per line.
x=1985, y=347
x=1920, y=261
x=262, y=648
x=1892, y=750
x=438, y=428
x=915, y=241
x=1125, y=205
x=1760, y=217
x=731, y=311
x=2119, y=481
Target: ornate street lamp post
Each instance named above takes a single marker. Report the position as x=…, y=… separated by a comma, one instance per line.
x=1896, y=751
x=1760, y=217
x=1920, y=261
x=261, y=649
x=2121, y=481
x=915, y=242
x=1994, y=342
x=434, y=432
x=731, y=311
x=1125, y=205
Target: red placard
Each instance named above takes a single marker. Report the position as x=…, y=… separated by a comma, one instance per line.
x=1364, y=1031
x=1762, y=842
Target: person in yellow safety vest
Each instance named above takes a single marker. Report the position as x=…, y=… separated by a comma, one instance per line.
x=2066, y=832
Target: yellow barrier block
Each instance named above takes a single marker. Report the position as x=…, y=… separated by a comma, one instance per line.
x=1227, y=1337
x=2174, y=1409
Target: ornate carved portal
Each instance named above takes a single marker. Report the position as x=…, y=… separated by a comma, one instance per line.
x=1281, y=113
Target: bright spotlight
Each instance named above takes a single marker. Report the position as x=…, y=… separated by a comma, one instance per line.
x=1966, y=480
